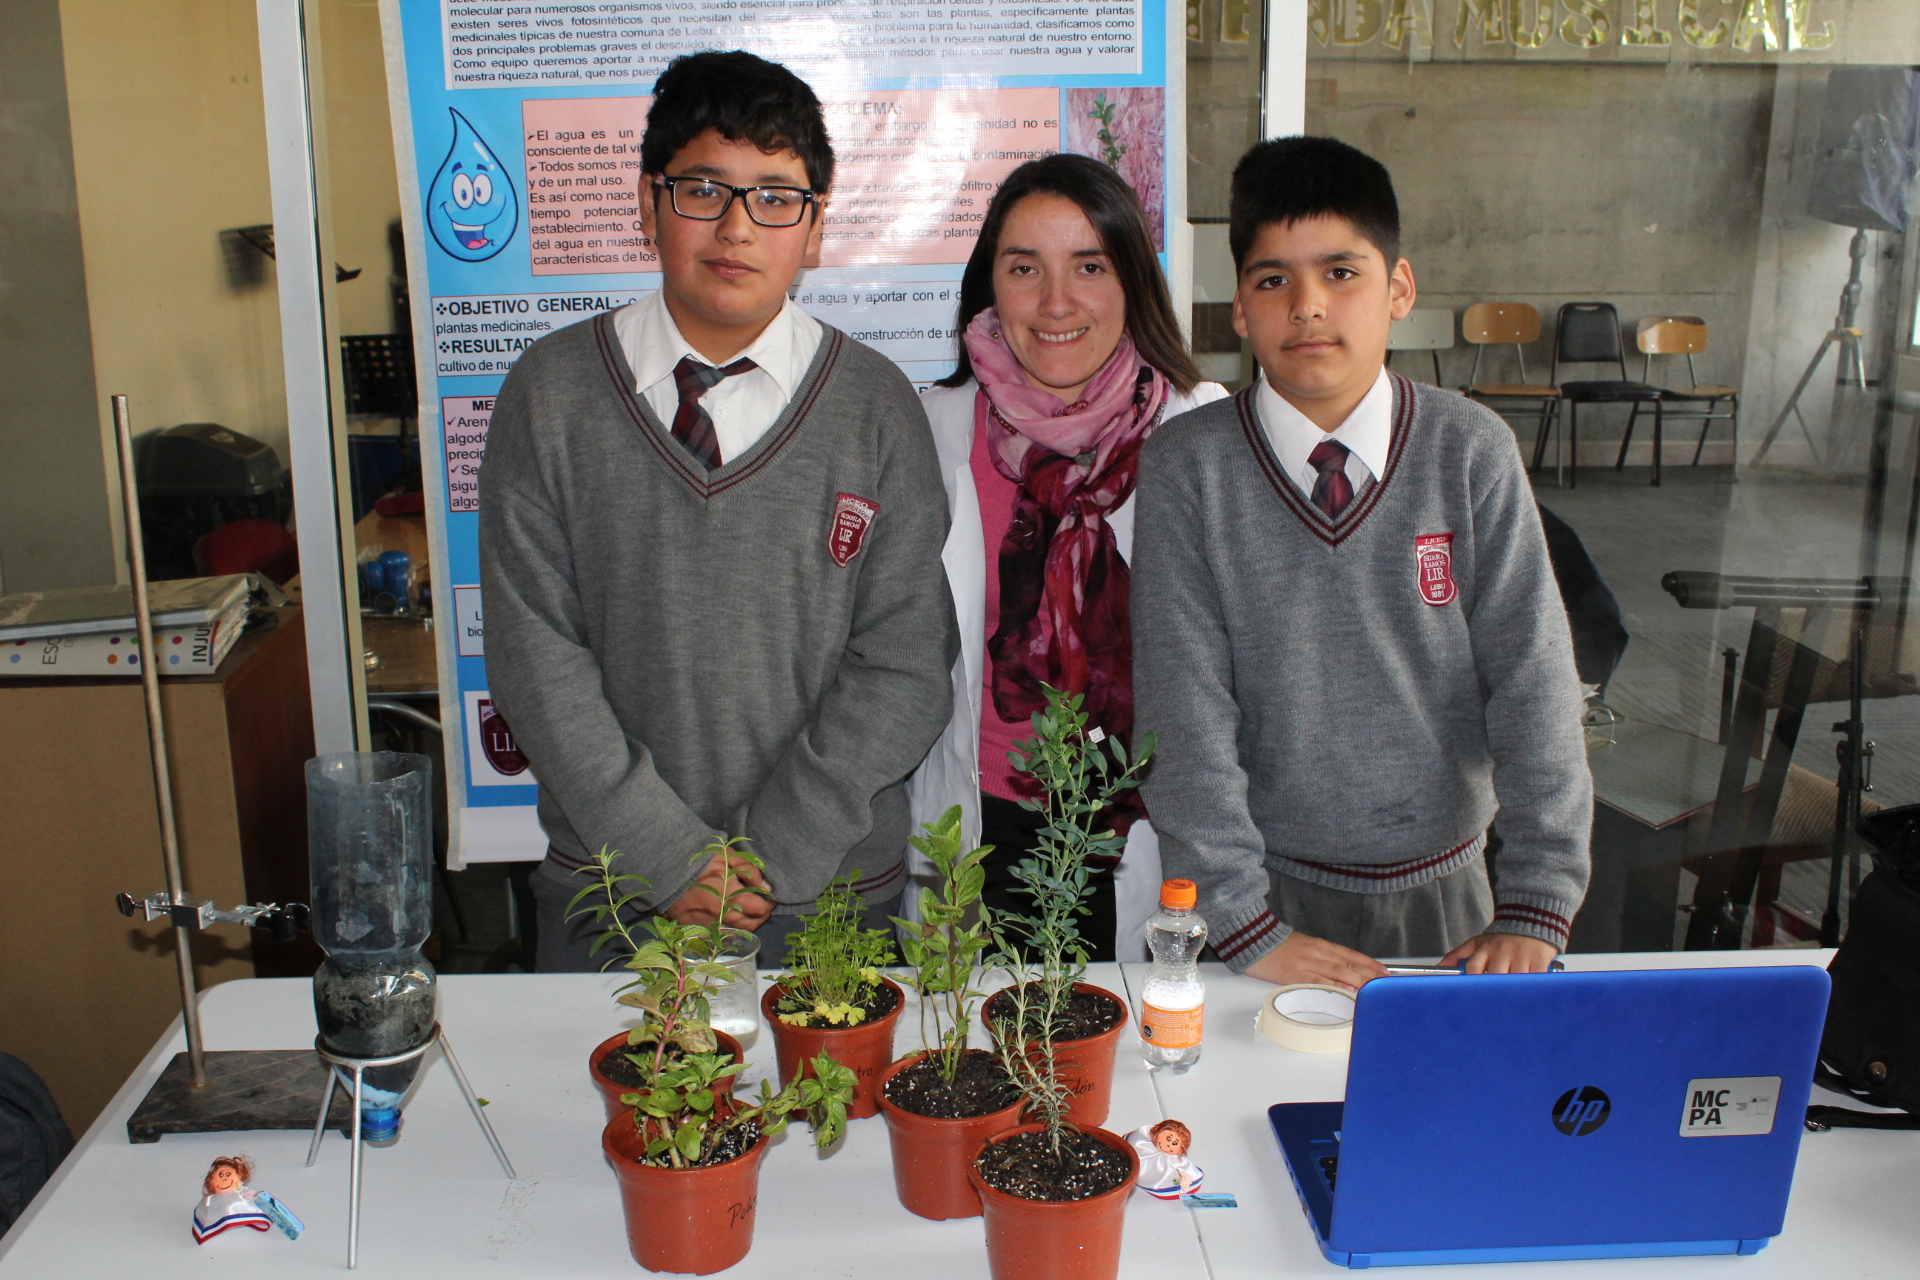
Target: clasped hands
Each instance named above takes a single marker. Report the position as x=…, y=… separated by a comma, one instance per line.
x=700, y=904
x=1302, y=959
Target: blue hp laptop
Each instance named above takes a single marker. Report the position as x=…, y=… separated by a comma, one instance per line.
x=1521, y=1117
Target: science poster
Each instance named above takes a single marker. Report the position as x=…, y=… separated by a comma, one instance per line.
x=518, y=133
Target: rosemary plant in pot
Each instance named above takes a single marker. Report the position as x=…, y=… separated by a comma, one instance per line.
x=942, y=1103
x=1080, y=771
x=833, y=1000
x=627, y=1060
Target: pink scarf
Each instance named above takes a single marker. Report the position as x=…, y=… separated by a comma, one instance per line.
x=1064, y=618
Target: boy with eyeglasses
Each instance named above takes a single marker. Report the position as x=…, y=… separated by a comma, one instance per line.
x=710, y=535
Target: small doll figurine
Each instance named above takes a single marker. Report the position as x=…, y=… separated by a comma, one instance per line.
x=1165, y=1171
x=230, y=1202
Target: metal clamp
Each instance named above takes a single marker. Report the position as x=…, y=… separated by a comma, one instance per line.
x=184, y=911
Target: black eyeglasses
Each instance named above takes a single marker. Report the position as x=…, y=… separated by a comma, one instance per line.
x=708, y=201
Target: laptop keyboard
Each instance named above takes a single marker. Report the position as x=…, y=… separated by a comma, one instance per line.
x=1329, y=1169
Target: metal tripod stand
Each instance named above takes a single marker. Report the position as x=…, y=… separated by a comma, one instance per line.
x=341, y=1067
x=1852, y=370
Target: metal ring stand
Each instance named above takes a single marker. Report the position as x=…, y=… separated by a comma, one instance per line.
x=341, y=1064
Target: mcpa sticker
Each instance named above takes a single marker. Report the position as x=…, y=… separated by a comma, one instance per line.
x=1729, y=1105
x=852, y=517
x=1433, y=556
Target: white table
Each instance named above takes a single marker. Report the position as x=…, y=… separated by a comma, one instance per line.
x=436, y=1205
x=1854, y=1212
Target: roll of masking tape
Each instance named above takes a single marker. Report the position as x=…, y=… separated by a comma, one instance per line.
x=1309, y=1018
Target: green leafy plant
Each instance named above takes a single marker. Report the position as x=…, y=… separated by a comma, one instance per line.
x=1111, y=148
x=1080, y=771
x=686, y=1122
x=833, y=965
x=675, y=965
x=942, y=946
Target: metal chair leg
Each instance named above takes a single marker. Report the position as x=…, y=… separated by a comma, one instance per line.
x=1547, y=424
x=1659, y=415
x=1627, y=438
x=1706, y=425
x=1436, y=365
x=1573, y=444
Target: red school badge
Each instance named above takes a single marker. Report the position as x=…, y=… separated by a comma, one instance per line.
x=1433, y=553
x=852, y=517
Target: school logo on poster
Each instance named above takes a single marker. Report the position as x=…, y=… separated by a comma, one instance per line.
x=496, y=742
x=1433, y=556
x=852, y=517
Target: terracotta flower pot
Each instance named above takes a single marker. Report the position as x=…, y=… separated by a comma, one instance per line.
x=610, y=1090
x=683, y=1220
x=865, y=1049
x=1057, y=1240
x=1085, y=1065
x=931, y=1156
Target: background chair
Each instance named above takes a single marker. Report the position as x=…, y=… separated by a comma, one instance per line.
x=1516, y=324
x=1589, y=333
x=1687, y=336
x=1429, y=330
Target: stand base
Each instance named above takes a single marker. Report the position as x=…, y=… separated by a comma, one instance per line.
x=255, y=1089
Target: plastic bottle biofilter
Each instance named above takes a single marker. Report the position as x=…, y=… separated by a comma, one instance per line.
x=370, y=843
x=1174, y=1001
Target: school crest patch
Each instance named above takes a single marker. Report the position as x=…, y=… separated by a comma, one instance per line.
x=852, y=517
x=496, y=739
x=1433, y=557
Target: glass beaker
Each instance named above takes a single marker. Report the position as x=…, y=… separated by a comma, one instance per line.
x=735, y=1006
x=370, y=845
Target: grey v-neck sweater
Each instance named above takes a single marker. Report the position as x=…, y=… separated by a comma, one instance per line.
x=761, y=650
x=1351, y=702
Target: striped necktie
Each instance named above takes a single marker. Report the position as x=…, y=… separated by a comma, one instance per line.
x=692, y=425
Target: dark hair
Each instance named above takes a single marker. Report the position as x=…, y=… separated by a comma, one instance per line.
x=1115, y=212
x=1288, y=180
x=742, y=98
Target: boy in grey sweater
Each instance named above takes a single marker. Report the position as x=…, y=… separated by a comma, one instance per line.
x=710, y=535
x=1347, y=636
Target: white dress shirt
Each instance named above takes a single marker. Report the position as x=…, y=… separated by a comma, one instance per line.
x=742, y=407
x=1367, y=433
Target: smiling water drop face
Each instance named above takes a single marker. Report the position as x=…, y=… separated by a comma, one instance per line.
x=471, y=208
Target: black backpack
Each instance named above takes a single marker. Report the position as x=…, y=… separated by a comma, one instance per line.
x=1871, y=1047
x=33, y=1138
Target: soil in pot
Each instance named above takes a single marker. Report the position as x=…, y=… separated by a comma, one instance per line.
x=1086, y=1033
x=879, y=1002
x=614, y=1074
x=936, y=1129
x=1025, y=1166
x=697, y=1220
x=1076, y=1237
x=980, y=1087
x=866, y=1048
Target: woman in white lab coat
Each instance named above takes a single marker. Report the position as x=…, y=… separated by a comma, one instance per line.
x=1069, y=358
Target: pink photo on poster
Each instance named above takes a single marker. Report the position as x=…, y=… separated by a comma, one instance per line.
x=1126, y=128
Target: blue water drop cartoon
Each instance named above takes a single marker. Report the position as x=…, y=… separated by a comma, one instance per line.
x=471, y=208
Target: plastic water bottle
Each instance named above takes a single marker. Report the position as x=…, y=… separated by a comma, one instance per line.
x=1174, y=1001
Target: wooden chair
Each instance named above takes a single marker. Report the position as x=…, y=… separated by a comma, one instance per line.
x=1429, y=330
x=1687, y=336
x=1589, y=333
x=1516, y=324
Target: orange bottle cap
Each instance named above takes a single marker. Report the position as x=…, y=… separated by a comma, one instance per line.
x=1179, y=895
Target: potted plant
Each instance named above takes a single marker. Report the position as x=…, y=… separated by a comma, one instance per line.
x=674, y=978
x=832, y=998
x=1075, y=1026
x=942, y=1103
x=688, y=1152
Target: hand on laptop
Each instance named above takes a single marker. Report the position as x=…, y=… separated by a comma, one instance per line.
x=1304, y=959
x=1503, y=953
x=698, y=904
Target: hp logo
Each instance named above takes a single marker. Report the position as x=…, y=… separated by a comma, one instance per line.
x=1580, y=1111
